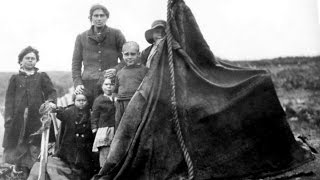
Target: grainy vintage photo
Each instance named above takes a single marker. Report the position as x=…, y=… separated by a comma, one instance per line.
x=160, y=89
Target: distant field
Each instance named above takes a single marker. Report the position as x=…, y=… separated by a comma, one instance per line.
x=297, y=82
x=294, y=77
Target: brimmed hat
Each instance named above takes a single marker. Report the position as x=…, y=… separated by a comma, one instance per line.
x=155, y=24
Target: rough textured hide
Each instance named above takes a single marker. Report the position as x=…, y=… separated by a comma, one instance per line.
x=231, y=118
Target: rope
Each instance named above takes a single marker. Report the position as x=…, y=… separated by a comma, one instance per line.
x=175, y=118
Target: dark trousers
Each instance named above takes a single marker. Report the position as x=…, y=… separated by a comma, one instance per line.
x=92, y=87
x=121, y=106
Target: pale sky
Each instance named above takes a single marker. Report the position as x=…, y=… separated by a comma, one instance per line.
x=234, y=29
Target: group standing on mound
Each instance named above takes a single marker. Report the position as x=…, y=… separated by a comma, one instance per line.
x=106, y=72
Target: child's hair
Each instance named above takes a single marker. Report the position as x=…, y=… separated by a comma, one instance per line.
x=101, y=81
x=26, y=51
x=129, y=44
x=85, y=92
x=98, y=6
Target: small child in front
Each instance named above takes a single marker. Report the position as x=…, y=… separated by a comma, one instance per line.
x=129, y=78
x=73, y=158
x=102, y=119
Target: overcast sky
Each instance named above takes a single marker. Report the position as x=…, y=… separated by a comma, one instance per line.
x=234, y=29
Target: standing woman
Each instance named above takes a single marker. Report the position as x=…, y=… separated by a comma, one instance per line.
x=97, y=49
x=27, y=90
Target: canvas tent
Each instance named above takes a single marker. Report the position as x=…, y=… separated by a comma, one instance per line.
x=231, y=121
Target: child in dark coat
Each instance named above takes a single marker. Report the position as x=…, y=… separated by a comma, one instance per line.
x=102, y=119
x=73, y=158
x=76, y=138
x=26, y=92
x=129, y=78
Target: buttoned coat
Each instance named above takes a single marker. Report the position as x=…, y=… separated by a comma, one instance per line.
x=75, y=138
x=25, y=91
x=96, y=54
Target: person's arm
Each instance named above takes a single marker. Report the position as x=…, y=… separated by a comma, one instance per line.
x=61, y=115
x=95, y=115
x=116, y=84
x=77, y=62
x=144, y=56
x=9, y=102
x=48, y=89
x=120, y=40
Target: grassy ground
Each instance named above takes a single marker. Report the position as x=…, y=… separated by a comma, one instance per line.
x=298, y=87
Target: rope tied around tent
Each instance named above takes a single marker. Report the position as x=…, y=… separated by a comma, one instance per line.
x=175, y=118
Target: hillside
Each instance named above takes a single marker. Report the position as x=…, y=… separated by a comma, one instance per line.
x=297, y=82
x=295, y=78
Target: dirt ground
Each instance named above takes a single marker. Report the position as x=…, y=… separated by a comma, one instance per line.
x=303, y=114
x=309, y=171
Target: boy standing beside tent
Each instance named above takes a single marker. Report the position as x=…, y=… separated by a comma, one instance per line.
x=129, y=78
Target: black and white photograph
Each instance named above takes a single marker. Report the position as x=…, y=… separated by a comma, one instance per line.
x=160, y=89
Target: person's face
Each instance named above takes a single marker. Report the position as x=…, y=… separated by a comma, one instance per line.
x=80, y=101
x=158, y=33
x=29, y=61
x=99, y=18
x=130, y=55
x=107, y=87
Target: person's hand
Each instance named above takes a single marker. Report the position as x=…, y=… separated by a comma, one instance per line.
x=52, y=105
x=79, y=89
x=109, y=73
x=94, y=130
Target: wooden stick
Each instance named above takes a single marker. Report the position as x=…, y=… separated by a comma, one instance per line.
x=44, y=148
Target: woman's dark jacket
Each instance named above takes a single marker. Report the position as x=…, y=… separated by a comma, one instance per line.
x=103, y=112
x=96, y=52
x=75, y=138
x=145, y=54
x=25, y=91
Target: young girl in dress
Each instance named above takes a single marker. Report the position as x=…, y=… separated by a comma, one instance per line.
x=103, y=119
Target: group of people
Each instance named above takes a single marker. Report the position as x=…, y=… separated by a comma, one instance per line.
x=103, y=89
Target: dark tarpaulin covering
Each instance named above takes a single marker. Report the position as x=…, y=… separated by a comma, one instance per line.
x=231, y=118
